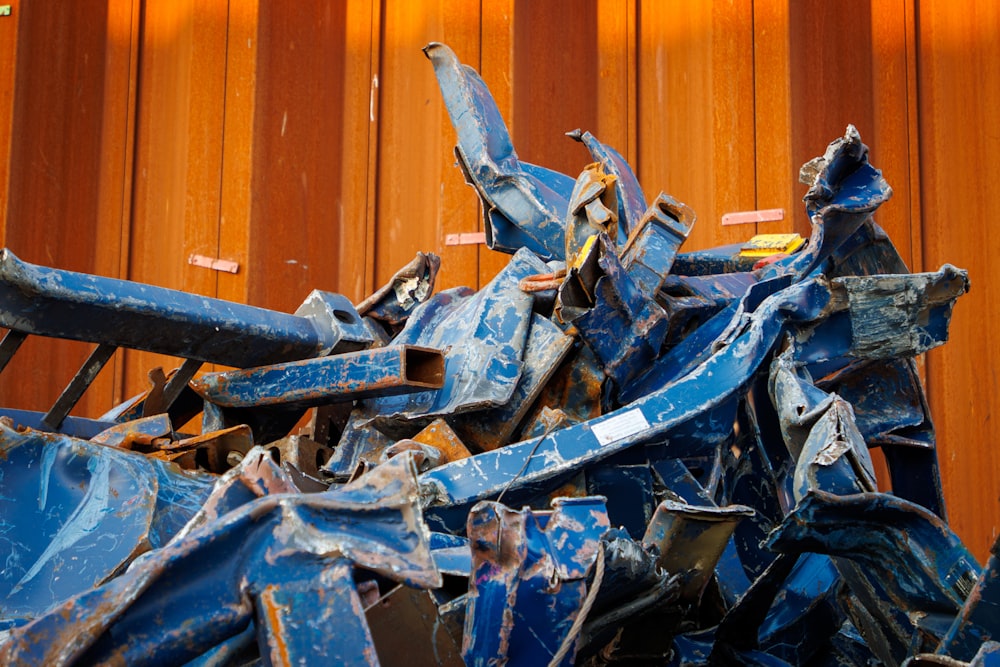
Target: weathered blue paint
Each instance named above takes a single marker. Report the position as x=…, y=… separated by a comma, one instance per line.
x=811, y=307
x=896, y=557
x=391, y=304
x=544, y=350
x=741, y=405
x=649, y=254
x=384, y=371
x=524, y=205
x=528, y=579
x=624, y=327
x=483, y=338
x=74, y=513
x=64, y=304
x=186, y=598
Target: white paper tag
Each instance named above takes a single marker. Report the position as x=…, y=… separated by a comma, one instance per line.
x=620, y=426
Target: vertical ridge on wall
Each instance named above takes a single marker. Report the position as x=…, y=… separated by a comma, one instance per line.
x=496, y=65
x=422, y=196
x=63, y=158
x=776, y=174
x=959, y=93
x=695, y=110
x=178, y=155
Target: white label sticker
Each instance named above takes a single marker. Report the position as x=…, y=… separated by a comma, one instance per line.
x=620, y=426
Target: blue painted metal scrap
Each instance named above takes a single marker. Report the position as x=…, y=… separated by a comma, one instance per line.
x=614, y=453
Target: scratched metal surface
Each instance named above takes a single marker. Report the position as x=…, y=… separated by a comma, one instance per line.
x=633, y=456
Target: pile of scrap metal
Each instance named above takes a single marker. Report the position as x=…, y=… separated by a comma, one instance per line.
x=614, y=453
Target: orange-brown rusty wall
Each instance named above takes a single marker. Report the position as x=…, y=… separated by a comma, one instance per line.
x=307, y=143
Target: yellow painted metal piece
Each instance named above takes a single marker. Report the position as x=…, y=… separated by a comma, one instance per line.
x=764, y=245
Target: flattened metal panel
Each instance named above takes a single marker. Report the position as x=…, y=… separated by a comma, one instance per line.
x=72, y=514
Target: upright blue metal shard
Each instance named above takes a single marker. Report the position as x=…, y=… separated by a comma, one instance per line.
x=622, y=325
x=528, y=579
x=691, y=539
x=184, y=599
x=524, y=205
x=544, y=350
x=820, y=433
x=649, y=252
x=631, y=200
x=295, y=617
x=844, y=191
x=391, y=304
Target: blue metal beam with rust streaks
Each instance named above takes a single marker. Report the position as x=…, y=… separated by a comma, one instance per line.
x=384, y=371
x=121, y=313
x=808, y=307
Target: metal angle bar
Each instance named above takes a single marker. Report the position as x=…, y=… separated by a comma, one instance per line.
x=74, y=390
x=177, y=382
x=396, y=369
x=9, y=346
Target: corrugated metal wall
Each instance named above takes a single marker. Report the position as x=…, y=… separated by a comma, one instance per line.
x=307, y=142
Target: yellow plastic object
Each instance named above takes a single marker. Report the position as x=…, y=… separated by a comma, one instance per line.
x=765, y=245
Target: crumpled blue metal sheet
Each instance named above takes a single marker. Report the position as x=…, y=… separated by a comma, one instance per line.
x=74, y=513
x=544, y=350
x=901, y=558
x=483, y=336
x=291, y=577
x=524, y=205
x=532, y=466
x=701, y=425
x=391, y=304
x=528, y=579
x=624, y=327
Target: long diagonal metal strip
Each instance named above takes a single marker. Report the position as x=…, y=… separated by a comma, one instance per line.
x=534, y=465
x=77, y=306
